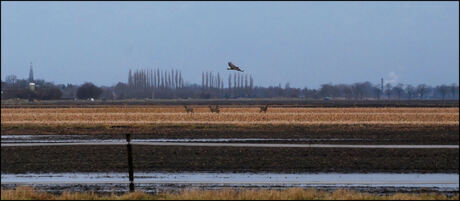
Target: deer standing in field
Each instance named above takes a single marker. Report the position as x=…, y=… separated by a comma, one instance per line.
x=188, y=109
x=214, y=109
x=264, y=108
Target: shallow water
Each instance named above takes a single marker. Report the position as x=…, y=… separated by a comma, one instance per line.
x=152, y=181
x=445, y=181
x=84, y=138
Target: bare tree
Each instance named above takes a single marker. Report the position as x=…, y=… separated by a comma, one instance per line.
x=246, y=81
x=162, y=84
x=421, y=90
x=155, y=79
x=329, y=90
x=168, y=75
x=398, y=89
x=152, y=78
x=388, y=88
x=235, y=85
x=202, y=79
x=176, y=79
x=241, y=80
x=443, y=89
x=130, y=78
x=229, y=81
x=181, y=80
x=238, y=81
x=12, y=79
x=147, y=78
x=218, y=80
x=158, y=78
x=454, y=90
x=172, y=83
x=211, y=80
x=410, y=91
x=377, y=91
x=207, y=80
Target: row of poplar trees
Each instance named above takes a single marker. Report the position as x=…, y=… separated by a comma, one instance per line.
x=154, y=83
x=158, y=83
x=239, y=85
x=156, y=78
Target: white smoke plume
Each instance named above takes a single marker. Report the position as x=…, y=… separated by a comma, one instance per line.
x=393, y=78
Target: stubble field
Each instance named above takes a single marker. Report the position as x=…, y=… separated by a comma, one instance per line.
x=230, y=115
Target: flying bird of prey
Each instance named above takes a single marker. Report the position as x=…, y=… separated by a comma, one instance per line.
x=233, y=67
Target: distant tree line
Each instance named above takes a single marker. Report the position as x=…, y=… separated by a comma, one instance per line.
x=169, y=84
x=21, y=88
x=238, y=85
x=150, y=83
x=366, y=90
x=88, y=91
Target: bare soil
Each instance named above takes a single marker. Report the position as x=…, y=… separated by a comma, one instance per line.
x=369, y=134
x=227, y=159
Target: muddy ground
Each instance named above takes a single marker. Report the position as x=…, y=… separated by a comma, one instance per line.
x=344, y=134
x=227, y=159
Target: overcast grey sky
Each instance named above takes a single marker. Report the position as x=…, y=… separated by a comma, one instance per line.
x=303, y=43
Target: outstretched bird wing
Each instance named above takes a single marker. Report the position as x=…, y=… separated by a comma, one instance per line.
x=233, y=67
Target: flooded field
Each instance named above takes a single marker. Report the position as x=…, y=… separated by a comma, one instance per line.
x=417, y=153
x=161, y=181
x=119, y=139
x=66, y=140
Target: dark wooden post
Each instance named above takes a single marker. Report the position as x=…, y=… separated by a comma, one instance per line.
x=130, y=163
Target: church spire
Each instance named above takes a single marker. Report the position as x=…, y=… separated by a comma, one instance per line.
x=31, y=73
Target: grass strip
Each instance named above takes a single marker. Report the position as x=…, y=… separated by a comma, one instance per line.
x=28, y=193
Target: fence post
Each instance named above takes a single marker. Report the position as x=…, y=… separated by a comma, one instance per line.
x=130, y=163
